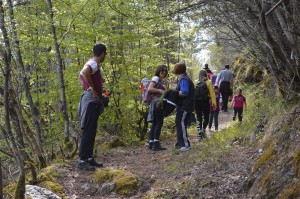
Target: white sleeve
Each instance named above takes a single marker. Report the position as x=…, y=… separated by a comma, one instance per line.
x=93, y=65
x=155, y=79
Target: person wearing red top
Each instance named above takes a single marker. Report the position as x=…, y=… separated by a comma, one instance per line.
x=214, y=112
x=90, y=107
x=238, y=103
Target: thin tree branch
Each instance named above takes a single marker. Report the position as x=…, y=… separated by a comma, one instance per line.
x=267, y=13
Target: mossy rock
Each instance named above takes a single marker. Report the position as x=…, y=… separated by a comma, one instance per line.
x=46, y=177
x=54, y=187
x=127, y=185
x=125, y=182
x=113, y=144
x=9, y=190
x=52, y=170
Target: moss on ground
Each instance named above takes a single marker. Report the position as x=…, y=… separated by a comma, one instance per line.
x=54, y=187
x=9, y=190
x=296, y=162
x=265, y=157
x=292, y=191
x=125, y=182
x=113, y=144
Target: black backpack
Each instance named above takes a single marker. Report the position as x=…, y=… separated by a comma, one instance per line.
x=201, y=91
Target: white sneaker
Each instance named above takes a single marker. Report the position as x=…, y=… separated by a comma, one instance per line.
x=184, y=148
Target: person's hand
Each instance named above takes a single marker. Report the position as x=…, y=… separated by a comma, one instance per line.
x=214, y=107
x=94, y=92
x=162, y=91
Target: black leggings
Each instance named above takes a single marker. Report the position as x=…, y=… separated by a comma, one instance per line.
x=182, y=118
x=239, y=112
x=213, y=117
x=202, y=108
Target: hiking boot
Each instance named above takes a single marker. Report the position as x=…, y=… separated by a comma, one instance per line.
x=150, y=145
x=199, y=138
x=85, y=166
x=184, y=148
x=157, y=147
x=93, y=163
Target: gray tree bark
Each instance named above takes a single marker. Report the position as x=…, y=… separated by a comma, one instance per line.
x=64, y=106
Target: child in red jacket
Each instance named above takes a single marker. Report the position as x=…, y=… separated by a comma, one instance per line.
x=238, y=103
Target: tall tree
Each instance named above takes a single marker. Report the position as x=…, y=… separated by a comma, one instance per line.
x=17, y=147
x=64, y=107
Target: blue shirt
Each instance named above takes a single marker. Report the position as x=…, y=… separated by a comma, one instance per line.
x=184, y=86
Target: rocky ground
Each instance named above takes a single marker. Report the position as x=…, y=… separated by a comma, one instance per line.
x=169, y=174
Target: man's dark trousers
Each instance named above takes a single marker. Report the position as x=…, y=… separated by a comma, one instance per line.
x=89, y=131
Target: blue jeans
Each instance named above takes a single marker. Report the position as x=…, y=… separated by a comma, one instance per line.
x=157, y=124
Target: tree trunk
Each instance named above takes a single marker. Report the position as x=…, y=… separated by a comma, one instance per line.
x=20, y=189
x=64, y=106
x=32, y=106
x=1, y=181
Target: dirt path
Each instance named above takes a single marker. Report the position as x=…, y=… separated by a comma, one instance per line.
x=165, y=172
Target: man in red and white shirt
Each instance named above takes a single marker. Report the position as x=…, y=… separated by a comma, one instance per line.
x=90, y=108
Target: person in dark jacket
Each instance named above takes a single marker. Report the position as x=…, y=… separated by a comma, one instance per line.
x=209, y=73
x=185, y=87
x=202, y=107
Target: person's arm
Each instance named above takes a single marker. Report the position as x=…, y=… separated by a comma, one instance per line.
x=152, y=88
x=184, y=88
x=231, y=81
x=245, y=104
x=218, y=79
x=86, y=74
x=232, y=102
x=211, y=93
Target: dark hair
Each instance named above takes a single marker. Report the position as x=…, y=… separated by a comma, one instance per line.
x=160, y=68
x=179, y=68
x=216, y=86
x=202, y=75
x=206, y=66
x=98, y=49
x=226, y=66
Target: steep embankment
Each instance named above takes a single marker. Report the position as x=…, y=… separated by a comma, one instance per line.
x=276, y=173
x=275, y=133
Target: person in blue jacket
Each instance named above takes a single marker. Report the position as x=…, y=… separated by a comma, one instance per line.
x=185, y=106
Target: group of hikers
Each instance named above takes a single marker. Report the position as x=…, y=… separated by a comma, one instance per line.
x=204, y=97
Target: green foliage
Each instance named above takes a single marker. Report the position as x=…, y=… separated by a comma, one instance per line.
x=139, y=36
